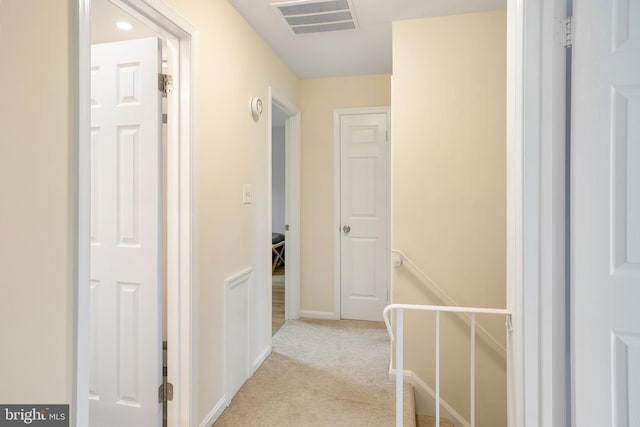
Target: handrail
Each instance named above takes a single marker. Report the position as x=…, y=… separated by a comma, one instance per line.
x=446, y=308
x=399, y=339
x=450, y=301
x=442, y=293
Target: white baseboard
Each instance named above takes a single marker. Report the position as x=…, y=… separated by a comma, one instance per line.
x=215, y=412
x=325, y=315
x=260, y=360
x=426, y=400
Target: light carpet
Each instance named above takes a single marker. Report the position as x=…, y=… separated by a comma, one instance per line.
x=429, y=421
x=321, y=373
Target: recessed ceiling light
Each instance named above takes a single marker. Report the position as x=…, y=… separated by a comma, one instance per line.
x=124, y=25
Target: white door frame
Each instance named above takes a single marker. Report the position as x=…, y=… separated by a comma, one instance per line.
x=535, y=213
x=292, y=185
x=337, y=180
x=180, y=200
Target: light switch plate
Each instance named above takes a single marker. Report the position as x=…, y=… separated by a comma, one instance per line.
x=246, y=193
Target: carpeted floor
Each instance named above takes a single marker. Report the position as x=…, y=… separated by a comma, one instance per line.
x=321, y=373
x=429, y=421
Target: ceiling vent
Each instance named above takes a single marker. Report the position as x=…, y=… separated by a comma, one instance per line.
x=317, y=16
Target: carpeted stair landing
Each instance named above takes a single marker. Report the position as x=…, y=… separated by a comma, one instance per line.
x=322, y=373
x=428, y=421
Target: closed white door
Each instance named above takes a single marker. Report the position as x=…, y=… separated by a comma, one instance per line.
x=605, y=229
x=126, y=297
x=364, y=205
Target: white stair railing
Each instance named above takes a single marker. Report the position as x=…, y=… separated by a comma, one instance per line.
x=447, y=300
x=398, y=338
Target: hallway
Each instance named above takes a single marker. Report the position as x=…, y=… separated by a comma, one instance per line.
x=321, y=373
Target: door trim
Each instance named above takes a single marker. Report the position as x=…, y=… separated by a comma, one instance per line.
x=180, y=201
x=535, y=214
x=337, y=180
x=292, y=184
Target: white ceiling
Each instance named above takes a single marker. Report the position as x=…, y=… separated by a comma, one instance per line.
x=104, y=16
x=365, y=50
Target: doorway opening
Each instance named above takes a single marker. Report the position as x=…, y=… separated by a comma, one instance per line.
x=278, y=216
x=123, y=24
x=128, y=233
x=284, y=209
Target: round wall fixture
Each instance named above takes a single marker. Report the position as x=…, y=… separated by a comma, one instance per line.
x=255, y=104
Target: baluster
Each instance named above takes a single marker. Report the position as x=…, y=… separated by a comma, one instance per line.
x=399, y=367
x=438, y=368
x=473, y=369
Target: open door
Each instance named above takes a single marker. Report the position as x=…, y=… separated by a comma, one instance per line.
x=605, y=229
x=126, y=243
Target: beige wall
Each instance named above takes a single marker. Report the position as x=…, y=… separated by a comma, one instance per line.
x=318, y=100
x=233, y=64
x=37, y=206
x=449, y=185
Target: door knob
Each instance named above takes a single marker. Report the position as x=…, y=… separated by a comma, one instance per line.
x=346, y=229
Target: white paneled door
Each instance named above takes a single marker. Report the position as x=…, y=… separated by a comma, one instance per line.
x=126, y=278
x=364, y=213
x=605, y=230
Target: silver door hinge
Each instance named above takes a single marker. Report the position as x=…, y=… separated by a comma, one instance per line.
x=165, y=392
x=568, y=29
x=165, y=84
x=386, y=136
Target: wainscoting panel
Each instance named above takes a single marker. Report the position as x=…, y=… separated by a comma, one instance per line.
x=237, y=333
